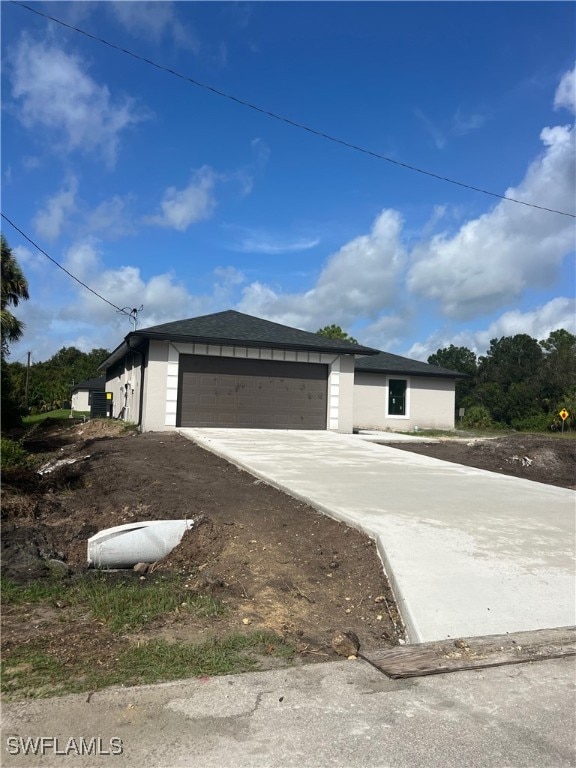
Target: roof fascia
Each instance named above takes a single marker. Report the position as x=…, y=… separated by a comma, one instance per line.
x=439, y=375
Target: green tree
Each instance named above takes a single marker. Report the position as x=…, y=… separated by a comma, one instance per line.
x=511, y=371
x=519, y=382
x=14, y=288
x=51, y=380
x=511, y=359
x=335, y=332
x=463, y=360
x=459, y=359
x=559, y=365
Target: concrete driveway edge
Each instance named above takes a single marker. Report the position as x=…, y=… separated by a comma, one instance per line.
x=408, y=624
x=468, y=553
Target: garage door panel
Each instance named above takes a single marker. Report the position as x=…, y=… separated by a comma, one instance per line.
x=247, y=393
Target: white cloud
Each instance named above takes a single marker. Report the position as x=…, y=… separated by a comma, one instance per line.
x=538, y=323
x=358, y=281
x=261, y=152
x=55, y=94
x=461, y=124
x=83, y=259
x=153, y=21
x=183, y=207
x=438, y=135
x=388, y=331
x=493, y=258
x=464, y=124
x=66, y=211
x=566, y=92
x=30, y=163
x=110, y=219
x=256, y=241
x=49, y=221
x=28, y=260
x=163, y=296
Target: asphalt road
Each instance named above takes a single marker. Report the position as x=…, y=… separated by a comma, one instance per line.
x=330, y=715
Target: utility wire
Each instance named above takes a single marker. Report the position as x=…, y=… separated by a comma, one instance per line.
x=25, y=236
x=287, y=120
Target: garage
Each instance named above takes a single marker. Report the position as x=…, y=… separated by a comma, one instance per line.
x=229, y=369
x=258, y=394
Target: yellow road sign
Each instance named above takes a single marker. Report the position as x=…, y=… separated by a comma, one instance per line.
x=563, y=414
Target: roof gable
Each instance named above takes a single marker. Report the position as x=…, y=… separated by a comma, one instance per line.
x=231, y=327
x=384, y=362
x=91, y=384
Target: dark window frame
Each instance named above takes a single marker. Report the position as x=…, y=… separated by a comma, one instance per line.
x=397, y=410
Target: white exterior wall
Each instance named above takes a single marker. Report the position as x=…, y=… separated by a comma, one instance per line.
x=430, y=402
x=155, y=380
x=161, y=380
x=124, y=381
x=343, y=395
x=79, y=401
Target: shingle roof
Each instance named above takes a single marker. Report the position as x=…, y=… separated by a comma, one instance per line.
x=99, y=383
x=384, y=362
x=231, y=327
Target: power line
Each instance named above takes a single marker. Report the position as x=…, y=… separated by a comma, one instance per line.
x=287, y=120
x=43, y=252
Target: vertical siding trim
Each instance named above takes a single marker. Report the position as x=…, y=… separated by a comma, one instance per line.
x=171, y=386
x=334, y=394
x=261, y=353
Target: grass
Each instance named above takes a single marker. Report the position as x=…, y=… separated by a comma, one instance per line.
x=159, y=660
x=36, y=669
x=120, y=605
x=458, y=432
x=62, y=414
x=12, y=454
x=472, y=433
x=30, y=671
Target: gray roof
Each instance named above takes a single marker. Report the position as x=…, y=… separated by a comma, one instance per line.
x=231, y=327
x=384, y=362
x=91, y=384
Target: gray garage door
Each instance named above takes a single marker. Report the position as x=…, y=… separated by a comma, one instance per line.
x=265, y=394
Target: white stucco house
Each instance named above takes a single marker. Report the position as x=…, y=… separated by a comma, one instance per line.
x=230, y=369
x=81, y=399
x=396, y=393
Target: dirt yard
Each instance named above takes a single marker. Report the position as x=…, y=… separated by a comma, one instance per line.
x=276, y=563
x=543, y=459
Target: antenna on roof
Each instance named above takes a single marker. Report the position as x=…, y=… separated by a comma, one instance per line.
x=132, y=314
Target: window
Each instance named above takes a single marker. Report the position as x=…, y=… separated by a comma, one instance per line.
x=397, y=397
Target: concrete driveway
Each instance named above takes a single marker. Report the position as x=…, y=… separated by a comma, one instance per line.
x=468, y=552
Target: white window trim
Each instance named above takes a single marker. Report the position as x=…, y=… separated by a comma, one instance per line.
x=406, y=416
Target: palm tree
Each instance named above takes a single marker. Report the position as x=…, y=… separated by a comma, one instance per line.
x=13, y=289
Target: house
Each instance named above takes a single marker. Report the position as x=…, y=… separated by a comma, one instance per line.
x=230, y=369
x=396, y=393
x=82, y=393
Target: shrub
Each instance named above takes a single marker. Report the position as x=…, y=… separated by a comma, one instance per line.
x=540, y=422
x=477, y=417
x=12, y=454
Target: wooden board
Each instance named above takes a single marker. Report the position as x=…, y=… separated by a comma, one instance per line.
x=473, y=652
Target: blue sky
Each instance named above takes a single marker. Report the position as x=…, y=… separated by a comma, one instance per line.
x=158, y=193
